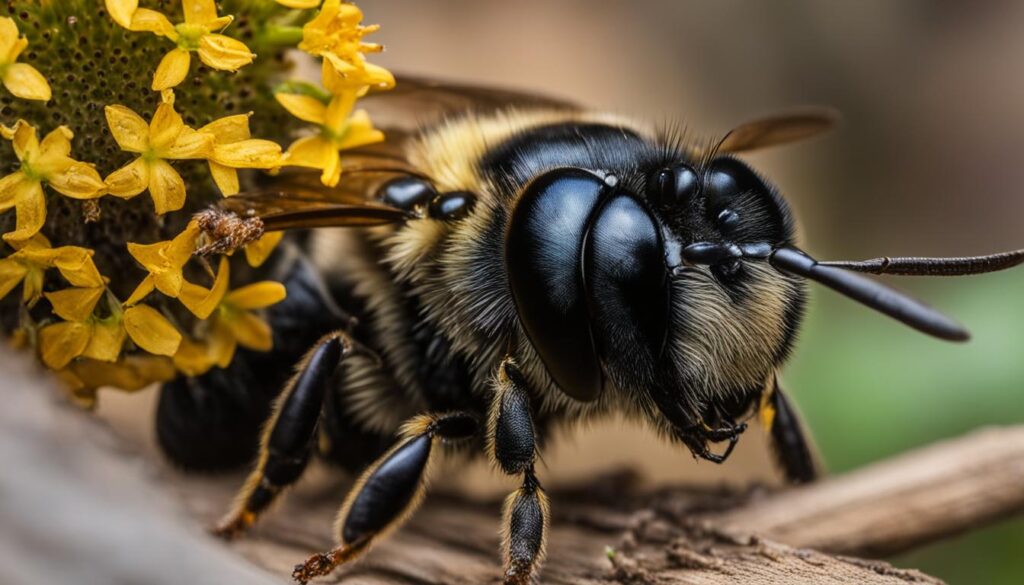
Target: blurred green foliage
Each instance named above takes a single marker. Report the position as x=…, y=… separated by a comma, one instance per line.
x=870, y=388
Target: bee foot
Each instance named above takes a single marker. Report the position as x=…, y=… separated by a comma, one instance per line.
x=322, y=564
x=233, y=526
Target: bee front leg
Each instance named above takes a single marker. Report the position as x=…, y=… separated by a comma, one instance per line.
x=289, y=438
x=389, y=491
x=790, y=443
x=512, y=445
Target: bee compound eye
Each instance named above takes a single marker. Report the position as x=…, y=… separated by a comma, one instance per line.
x=675, y=185
x=452, y=206
x=406, y=192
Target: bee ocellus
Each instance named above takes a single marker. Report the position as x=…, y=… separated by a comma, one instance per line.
x=512, y=264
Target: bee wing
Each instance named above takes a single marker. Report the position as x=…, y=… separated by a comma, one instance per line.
x=418, y=101
x=297, y=199
x=779, y=129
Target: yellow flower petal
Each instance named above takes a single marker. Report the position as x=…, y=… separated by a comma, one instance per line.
x=359, y=132
x=250, y=331
x=225, y=177
x=30, y=205
x=32, y=287
x=62, y=342
x=132, y=372
x=130, y=180
x=145, y=287
x=8, y=35
x=154, y=22
x=299, y=4
x=129, y=129
x=12, y=272
x=106, y=341
x=332, y=169
x=257, y=252
x=54, y=150
x=338, y=110
x=339, y=75
x=199, y=11
x=166, y=187
x=76, y=265
x=221, y=344
x=256, y=296
x=26, y=82
x=25, y=141
x=202, y=301
x=303, y=107
x=224, y=53
x=189, y=144
x=122, y=10
x=75, y=304
x=248, y=154
x=77, y=180
x=192, y=359
x=229, y=128
x=165, y=127
x=151, y=331
x=10, y=188
x=172, y=70
x=309, y=151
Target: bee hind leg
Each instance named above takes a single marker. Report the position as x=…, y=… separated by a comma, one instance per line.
x=389, y=491
x=289, y=439
x=512, y=445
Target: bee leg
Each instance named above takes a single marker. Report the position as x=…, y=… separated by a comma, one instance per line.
x=289, y=438
x=512, y=445
x=789, y=440
x=213, y=422
x=388, y=491
x=697, y=437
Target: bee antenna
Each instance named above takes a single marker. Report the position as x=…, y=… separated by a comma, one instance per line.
x=873, y=294
x=915, y=266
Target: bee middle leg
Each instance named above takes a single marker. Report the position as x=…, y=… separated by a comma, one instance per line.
x=512, y=445
x=290, y=437
x=389, y=491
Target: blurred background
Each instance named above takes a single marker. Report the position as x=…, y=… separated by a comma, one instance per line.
x=927, y=162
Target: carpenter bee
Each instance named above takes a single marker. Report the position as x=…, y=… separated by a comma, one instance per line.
x=504, y=263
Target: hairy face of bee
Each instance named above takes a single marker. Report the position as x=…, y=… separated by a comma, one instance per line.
x=732, y=315
x=652, y=289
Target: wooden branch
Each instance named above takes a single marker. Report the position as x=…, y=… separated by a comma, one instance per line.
x=903, y=502
x=75, y=502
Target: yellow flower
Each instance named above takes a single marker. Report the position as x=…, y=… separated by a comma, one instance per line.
x=234, y=148
x=301, y=4
x=337, y=35
x=48, y=162
x=338, y=131
x=84, y=334
x=195, y=34
x=165, y=137
x=164, y=261
x=22, y=80
x=231, y=322
x=34, y=256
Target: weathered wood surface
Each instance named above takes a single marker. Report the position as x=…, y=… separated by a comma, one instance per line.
x=77, y=506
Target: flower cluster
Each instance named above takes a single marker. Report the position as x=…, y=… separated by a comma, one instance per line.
x=80, y=232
